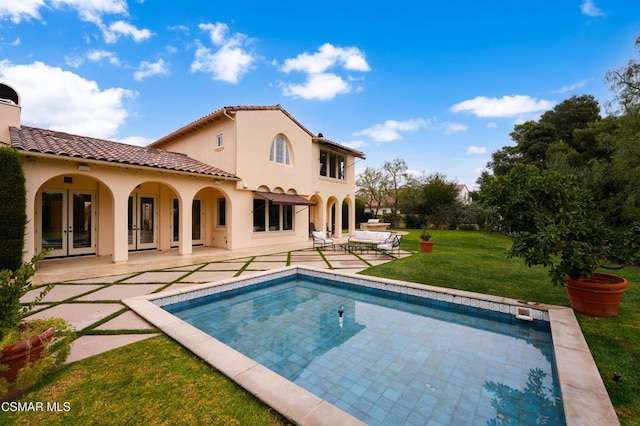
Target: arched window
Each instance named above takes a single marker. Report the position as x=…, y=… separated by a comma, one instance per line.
x=279, y=151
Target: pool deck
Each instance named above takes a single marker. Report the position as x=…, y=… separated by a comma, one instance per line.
x=90, y=291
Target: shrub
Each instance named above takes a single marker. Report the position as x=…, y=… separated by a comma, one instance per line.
x=12, y=209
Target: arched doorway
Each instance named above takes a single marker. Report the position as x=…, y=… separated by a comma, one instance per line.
x=67, y=211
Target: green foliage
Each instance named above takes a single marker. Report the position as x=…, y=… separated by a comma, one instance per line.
x=14, y=285
x=13, y=328
x=12, y=209
x=154, y=382
x=429, y=199
x=425, y=235
x=551, y=217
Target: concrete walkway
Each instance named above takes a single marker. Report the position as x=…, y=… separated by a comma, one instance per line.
x=89, y=290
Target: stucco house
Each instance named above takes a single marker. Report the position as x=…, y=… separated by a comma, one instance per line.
x=240, y=177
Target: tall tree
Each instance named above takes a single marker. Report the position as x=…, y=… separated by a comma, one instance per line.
x=372, y=187
x=577, y=112
x=625, y=84
x=396, y=171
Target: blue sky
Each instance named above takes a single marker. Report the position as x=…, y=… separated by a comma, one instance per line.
x=438, y=84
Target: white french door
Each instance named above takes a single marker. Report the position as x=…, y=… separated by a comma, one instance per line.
x=67, y=222
x=142, y=218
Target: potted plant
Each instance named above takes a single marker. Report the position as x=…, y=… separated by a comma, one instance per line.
x=426, y=243
x=554, y=223
x=28, y=348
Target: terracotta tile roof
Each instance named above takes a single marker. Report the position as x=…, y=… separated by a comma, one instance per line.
x=43, y=141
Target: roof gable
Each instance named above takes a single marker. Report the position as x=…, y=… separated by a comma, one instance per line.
x=32, y=139
x=225, y=111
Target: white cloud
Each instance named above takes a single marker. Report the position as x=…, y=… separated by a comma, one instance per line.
x=454, y=127
x=17, y=10
x=320, y=84
x=476, y=150
x=492, y=125
x=118, y=28
x=61, y=100
x=578, y=85
x=98, y=55
x=327, y=56
x=91, y=10
x=88, y=10
x=148, y=69
x=390, y=129
x=15, y=42
x=589, y=8
x=217, y=32
x=322, y=87
x=507, y=106
x=230, y=62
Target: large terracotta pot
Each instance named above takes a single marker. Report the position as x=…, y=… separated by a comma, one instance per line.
x=598, y=295
x=426, y=246
x=23, y=352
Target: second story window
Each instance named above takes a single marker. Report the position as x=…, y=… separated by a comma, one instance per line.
x=332, y=165
x=219, y=141
x=279, y=151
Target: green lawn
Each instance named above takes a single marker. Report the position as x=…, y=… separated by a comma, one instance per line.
x=158, y=382
x=152, y=382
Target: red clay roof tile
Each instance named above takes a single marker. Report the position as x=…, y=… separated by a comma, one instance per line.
x=43, y=141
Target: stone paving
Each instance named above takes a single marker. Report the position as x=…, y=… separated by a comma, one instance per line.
x=93, y=304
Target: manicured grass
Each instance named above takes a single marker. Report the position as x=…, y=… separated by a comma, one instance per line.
x=157, y=382
x=152, y=382
x=478, y=262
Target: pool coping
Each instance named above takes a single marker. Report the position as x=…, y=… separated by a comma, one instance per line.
x=585, y=398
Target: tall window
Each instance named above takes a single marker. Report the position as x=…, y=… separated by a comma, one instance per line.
x=332, y=165
x=279, y=151
x=219, y=141
x=269, y=217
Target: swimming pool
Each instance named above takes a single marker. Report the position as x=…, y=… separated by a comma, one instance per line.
x=438, y=356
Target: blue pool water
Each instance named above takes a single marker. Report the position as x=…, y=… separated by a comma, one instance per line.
x=390, y=361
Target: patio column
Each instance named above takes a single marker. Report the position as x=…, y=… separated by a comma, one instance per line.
x=120, y=226
x=185, y=247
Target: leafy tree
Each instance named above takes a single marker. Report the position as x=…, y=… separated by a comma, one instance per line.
x=431, y=198
x=533, y=140
x=577, y=112
x=396, y=171
x=625, y=84
x=372, y=187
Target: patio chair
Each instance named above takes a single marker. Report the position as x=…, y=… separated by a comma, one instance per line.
x=321, y=240
x=391, y=245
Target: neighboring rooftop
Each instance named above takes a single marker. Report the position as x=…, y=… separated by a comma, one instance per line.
x=42, y=141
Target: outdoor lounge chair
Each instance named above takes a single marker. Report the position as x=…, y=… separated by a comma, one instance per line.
x=391, y=245
x=321, y=240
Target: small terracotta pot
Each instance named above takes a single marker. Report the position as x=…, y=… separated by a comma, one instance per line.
x=19, y=354
x=598, y=295
x=426, y=246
